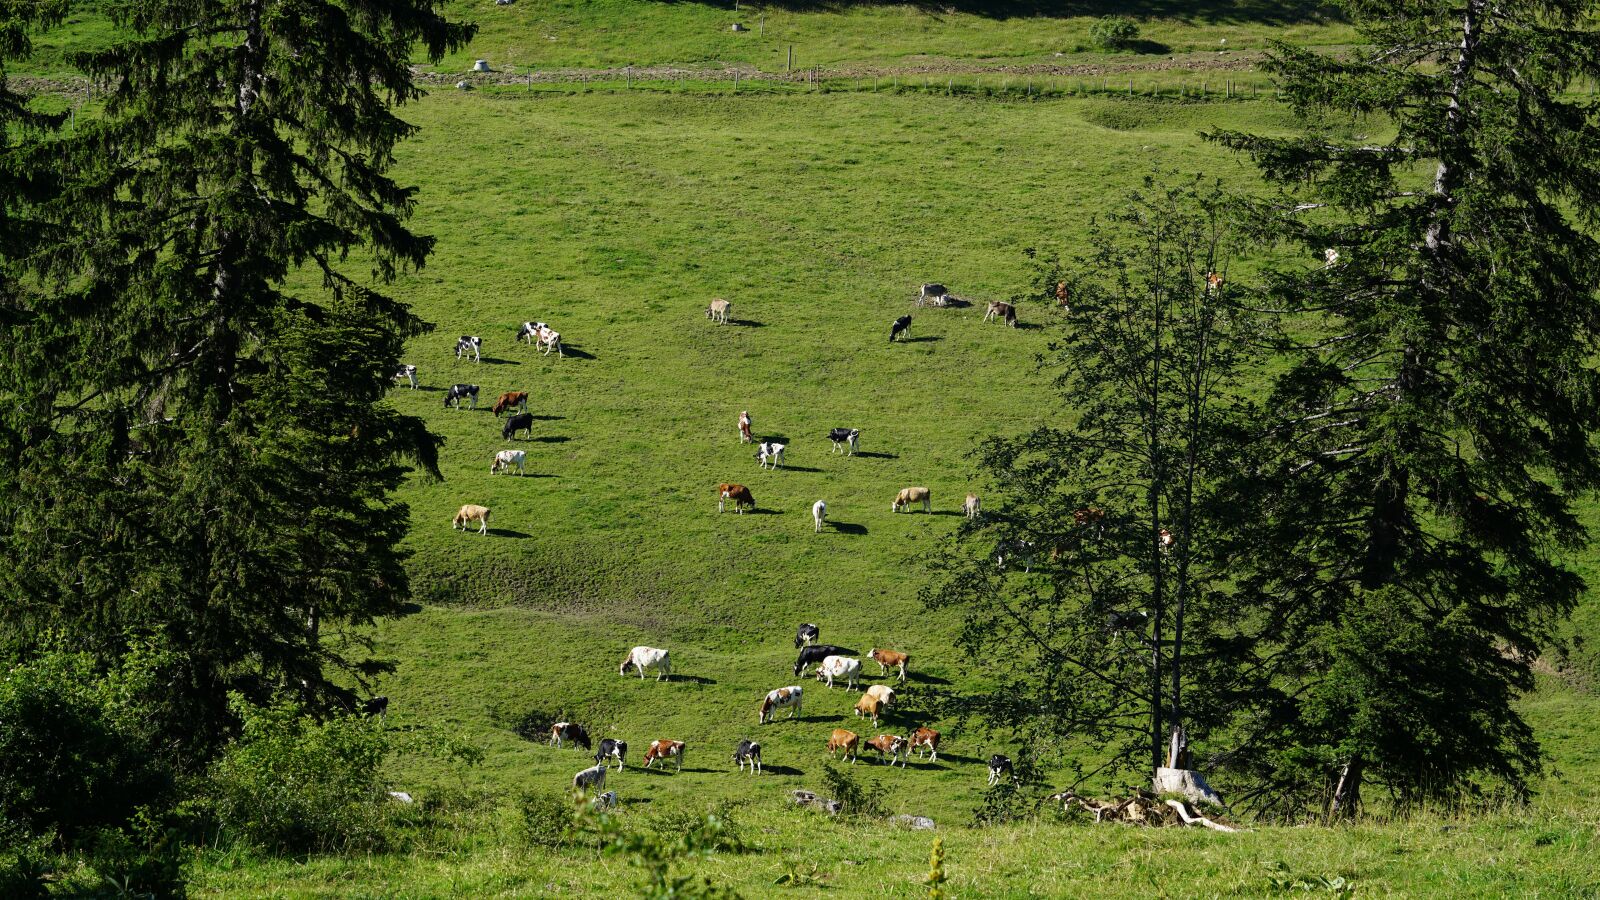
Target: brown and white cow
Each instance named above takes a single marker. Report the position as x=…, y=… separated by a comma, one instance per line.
x=1005, y=312
x=882, y=692
x=926, y=737
x=891, y=659
x=662, y=750
x=738, y=493
x=562, y=732
x=845, y=740
x=892, y=747
x=912, y=495
x=510, y=399
x=778, y=698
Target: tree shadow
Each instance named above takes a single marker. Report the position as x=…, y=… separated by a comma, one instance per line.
x=509, y=533
x=409, y=608
x=693, y=679
x=924, y=678
x=875, y=455
x=848, y=528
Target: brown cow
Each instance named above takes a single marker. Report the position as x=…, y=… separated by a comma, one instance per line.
x=510, y=399
x=888, y=659
x=870, y=706
x=926, y=737
x=738, y=493
x=848, y=741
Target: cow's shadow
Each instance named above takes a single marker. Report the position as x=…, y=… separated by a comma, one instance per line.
x=788, y=468
x=924, y=678
x=538, y=418
x=570, y=352
x=824, y=719
x=781, y=770
x=848, y=528
x=874, y=455
x=1028, y=326
x=551, y=439
x=924, y=339
x=537, y=475
x=763, y=512
x=747, y=323
x=509, y=533
x=694, y=679
x=497, y=361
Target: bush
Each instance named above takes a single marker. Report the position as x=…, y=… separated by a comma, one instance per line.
x=723, y=835
x=290, y=783
x=854, y=799
x=548, y=818
x=1113, y=33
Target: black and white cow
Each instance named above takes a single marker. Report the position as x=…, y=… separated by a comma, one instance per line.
x=816, y=653
x=611, y=749
x=562, y=732
x=845, y=440
x=469, y=344
x=407, y=373
x=377, y=706
x=999, y=767
x=529, y=332
x=458, y=392
x=1127, y=621
x=748, y=752
x=516, y=423
x=808, y=634
x=900, y=326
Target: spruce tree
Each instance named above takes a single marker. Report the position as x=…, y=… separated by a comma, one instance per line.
x=196, y=443
x=1435, y=428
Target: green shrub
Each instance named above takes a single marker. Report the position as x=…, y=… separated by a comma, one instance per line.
x=23, y=870
x=854, y=799
x=128, y=867
x=290, y=783
x=724, y=835
x=1113, y=33
x=548, y=818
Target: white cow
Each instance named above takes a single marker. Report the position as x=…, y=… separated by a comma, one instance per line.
x=771, y=452
x=643, y=658
x=592, y=777
x=844, y=667
x=819, y=512
x=972, y=506
x=505, y=459
x=882, y=692
x=779, y=698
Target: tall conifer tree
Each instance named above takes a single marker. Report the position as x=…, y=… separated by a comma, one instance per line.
x=195, y=438
x=1438, y=422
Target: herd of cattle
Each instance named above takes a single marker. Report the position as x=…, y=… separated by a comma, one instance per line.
x=833, y=663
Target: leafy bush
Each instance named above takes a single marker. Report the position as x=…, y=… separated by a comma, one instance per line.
x=855, y=799
x=75, y=752
x=150, y=868
x=725, y=836
x=1112, y=33
x=548, y=818
x=290, y=783
x=23, y=870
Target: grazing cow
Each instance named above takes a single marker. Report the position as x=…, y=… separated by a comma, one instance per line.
x=848, y=741
x=779, y=698
x=744, y=428
x=718, y=310
x=505, y=459
x=608, y=800
x=999, y=767
x=1126, y=621
x=610, y=749
x=592, y=777
x=1165, y=540
x=770, y=452
x=469, y=344
x=845, y=440
x=738, y=493
x=749, y=752
x=561, y=732
x=971, y=506
x=377, y=706
x=815, y=654
x=819, y=512
x=642, y=658
x=1213, y=281
x=882, y=692
x=910, y=495
x=934, y=293
x=869, y=706
x=926, y=737
x=510, y=399
x=891, y=748
x=550, y=339
x=891, y=659
x=407, y=373
x=1010, y=548
x=516, y=423
x=1006, y=312
x=471, y=512
x=900, y=326
x=1088, y=515
x=1061, y=294
x=846, y=667
x=529, y=332
x=454, y=396
x=807, y=634
x=1332, y=257
x=662, y=750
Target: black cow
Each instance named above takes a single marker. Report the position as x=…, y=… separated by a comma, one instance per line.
x=748, y=751
x=454, y=396
x=808, y=634
x=845, y=440
x=611, y=749
x=377, y=706
x=901, y=325
x=999, y=766
x=816, y=653
x=518, y=422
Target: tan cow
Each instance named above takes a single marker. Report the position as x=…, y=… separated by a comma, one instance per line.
x=911, y=495
x=848, y=741
x=870, y=707
x=471, y=512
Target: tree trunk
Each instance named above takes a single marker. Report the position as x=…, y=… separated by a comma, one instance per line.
x=1347, y=794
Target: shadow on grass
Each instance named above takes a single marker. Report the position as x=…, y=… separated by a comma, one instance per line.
x=747, y=323
x=550, y=439
x=824, y=719
x=925, y=339
x=1029, y=326
x=848, y=528
x=1264, y=12
x=497, y=361
x=632, y=801
x=868, y=455
x=570, y=352
x=781, y=770
x=537, y=475
x=924, y=678
x=509, y=533
x=799, y=469
x=693, y=679
x=549, y=418
x=763, y=512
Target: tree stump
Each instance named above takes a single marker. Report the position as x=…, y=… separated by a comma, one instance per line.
x=1187, y=783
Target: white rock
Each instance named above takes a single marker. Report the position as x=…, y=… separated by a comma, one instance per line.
x=402, y=796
